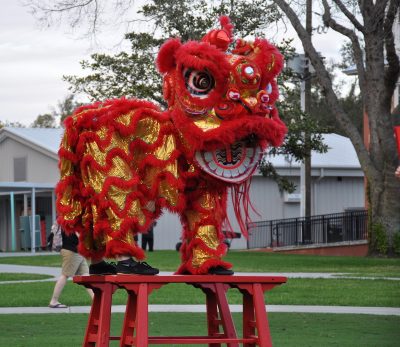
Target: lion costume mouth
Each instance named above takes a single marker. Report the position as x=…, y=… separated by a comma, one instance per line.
x=233, y=164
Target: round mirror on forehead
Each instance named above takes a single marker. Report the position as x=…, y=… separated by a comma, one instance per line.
x=249, y=70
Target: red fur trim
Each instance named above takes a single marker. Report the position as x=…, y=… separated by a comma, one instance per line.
x=272, y=130
x=269, y=56
x=166, y=57
x=203, y=269
x=201, y=56
x=226, y=25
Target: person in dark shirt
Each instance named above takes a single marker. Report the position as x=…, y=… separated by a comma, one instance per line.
x=148, y=238
x=72, y=264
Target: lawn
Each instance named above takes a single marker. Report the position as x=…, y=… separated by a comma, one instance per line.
x=341, y=292
x=287, y=329
x=338, y=291
x=252, y=261
x=22, y=277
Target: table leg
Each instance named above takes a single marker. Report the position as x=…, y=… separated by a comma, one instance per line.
x=129, y=324
x=225, y=313
x=212, y=315
x=142, y=316
x=98, y=328
x=264, y=335
x=248, y=318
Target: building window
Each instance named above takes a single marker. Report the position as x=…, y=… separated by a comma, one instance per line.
x=20, y=169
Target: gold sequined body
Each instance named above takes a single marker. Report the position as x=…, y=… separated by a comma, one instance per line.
x=117, y=173
x=126, y=166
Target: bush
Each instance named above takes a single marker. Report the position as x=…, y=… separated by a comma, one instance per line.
x=396, y=243
x=380, y=238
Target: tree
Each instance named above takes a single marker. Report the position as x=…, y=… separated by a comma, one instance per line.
x=133, y=73
x=369, y=22
x=46, y=120
x=11, y=124
x=65, y=107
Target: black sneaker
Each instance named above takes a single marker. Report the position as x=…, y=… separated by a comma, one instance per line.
x=131, y=267
x=102, y=268
x=219, y=270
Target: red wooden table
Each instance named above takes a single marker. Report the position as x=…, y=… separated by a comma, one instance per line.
x=221, y=328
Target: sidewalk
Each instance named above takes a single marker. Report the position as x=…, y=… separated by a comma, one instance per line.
x=385, y=311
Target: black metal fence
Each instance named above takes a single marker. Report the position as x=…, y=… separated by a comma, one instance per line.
x=322, y=229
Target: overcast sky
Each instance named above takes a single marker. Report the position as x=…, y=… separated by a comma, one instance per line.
x=33, y=61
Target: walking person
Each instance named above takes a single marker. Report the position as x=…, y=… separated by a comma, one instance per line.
x=148, y=238
x=72, y=264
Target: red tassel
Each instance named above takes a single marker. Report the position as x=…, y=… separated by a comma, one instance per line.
x=240, y=195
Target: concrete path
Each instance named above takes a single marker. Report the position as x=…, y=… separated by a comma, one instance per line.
x=386, y=311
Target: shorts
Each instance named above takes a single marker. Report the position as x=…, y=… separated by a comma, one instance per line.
x=73, y=264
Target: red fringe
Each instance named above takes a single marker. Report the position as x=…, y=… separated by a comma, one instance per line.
x=203, y=269
x=241, y=202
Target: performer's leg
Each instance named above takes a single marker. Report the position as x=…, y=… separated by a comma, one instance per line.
x=144, y=242
x=151, y=244
x=203, y=245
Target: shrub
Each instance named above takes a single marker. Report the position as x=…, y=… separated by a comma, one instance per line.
x=380, y=238
x=396, y=243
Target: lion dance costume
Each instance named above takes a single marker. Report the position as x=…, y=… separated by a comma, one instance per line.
x=122, y=161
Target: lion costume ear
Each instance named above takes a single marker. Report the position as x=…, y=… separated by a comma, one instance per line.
x=166, y=57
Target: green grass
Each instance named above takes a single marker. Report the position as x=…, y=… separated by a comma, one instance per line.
x=287, y=329
x=338, y=291
x=251, y=261
x=21, y=277
x=341, y=292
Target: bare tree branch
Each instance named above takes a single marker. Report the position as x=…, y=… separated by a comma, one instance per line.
x=91, y=13
x=326, y=83
x=64, y=6
x=358, y=52
x=349, y=15
x=393, y=69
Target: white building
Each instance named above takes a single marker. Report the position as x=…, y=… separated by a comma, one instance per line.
x=28, y=174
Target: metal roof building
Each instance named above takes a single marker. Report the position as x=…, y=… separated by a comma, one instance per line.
x=29, y=173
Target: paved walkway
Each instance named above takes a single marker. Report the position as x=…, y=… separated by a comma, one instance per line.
x=55, y=272
x=385, y=311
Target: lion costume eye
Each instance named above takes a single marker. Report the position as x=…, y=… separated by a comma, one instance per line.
x=198, y=83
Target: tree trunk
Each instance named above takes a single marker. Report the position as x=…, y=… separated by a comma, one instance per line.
x=385, y=213
x=379, y=161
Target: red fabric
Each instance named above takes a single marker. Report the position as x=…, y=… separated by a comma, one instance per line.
x=397, y=132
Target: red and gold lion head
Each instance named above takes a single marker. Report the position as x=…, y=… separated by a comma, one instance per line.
x=223, y=103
